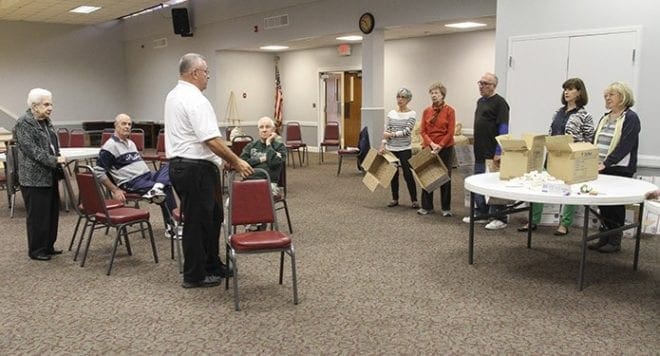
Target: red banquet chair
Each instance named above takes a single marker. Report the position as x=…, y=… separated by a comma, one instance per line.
x=120, y=219
x=251, y=203
x=330, y=138
x=294, y=142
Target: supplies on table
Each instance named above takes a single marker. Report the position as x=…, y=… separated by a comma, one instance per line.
x=520, y=156
x=379, y=168
x=428, y=170
x=572, y=162
x=541, y=182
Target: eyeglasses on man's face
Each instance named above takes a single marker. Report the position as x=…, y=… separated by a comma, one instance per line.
x=206, y=71
x=483, y=84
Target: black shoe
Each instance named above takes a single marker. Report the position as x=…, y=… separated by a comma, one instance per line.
x=602, y=241
x=40, y=257
x=526, y=227
x=54, y=252
x=609, y=248
x=209, y=281
x=224, y=272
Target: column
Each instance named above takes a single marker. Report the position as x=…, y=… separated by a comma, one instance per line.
x=373, y=112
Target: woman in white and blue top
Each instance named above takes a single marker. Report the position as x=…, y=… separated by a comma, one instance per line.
x=397, y=139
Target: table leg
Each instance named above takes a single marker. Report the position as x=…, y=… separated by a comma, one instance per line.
x=471, y=238
x=638, y=235
x=583, y=252
x=529, y=226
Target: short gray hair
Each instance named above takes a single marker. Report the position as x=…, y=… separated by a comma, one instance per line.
x=188, y=61
x=497, y=80
x=404, y=92
x=36, y=95
x=272, y=122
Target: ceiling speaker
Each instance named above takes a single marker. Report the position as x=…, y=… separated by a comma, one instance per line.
x=181, y=22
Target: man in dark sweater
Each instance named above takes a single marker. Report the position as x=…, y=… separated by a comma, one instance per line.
x=491, y=119
x=268, y=152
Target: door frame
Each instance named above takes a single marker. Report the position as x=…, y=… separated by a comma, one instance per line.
x=321, y=95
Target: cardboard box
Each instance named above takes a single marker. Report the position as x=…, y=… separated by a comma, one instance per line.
x=379, y=169
x=651, y=218
x=464, y=155
x=572, y=162
x=578, y=218
x=428, y=170
x=490, y=168
x=520, y=156
x=551, y=215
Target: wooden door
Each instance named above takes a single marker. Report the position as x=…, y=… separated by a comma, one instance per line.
x=352, y=108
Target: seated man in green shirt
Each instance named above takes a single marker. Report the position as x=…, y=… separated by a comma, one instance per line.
x=268, y=152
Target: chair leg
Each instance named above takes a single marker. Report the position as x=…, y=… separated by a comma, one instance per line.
x=236, y=301
x=300, y=159
x=75, y=232
x=12, y=205
x=288, y=218
x=153, y=242
x=281, y=266
x=89, y=240
x=339, y=164
x=82, y=237
x=114, y=248
x=128, y=244
x=294, y=278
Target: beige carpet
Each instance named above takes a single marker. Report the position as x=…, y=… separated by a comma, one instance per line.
x=372, y=280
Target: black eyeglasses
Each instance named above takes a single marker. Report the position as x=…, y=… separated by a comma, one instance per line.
x=482, y=83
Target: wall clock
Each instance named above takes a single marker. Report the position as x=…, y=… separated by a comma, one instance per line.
x=367, y=23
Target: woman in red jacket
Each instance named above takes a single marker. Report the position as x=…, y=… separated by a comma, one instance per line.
x=437, y=129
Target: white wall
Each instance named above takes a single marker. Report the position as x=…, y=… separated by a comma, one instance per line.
x=456, y=60
x=82, y=65
x=516, y=18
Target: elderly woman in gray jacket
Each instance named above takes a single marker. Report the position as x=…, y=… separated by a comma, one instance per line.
x=38, y=160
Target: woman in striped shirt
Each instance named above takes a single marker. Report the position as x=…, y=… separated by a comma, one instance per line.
x=396, y=139
x=617, y=139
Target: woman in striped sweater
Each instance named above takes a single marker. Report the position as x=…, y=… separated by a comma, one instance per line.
x=397, y=139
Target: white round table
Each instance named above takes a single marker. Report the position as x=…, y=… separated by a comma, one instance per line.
x=612, y=190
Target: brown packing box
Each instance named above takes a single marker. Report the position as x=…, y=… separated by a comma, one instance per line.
x=520, y=156
x=428, y=170
x=572, y=162
x=379, y=169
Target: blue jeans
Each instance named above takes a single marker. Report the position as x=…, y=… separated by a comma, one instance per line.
x=480, y=200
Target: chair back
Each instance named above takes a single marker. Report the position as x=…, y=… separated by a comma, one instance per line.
x=77, y=138
x=293, y=133
x=239, y=143
x=251, y=201
x=106, y=134
x=12, y=169
x=160, y=142
x=91, y=198
x=63, y=137
x=137, y=136
x=331, y=134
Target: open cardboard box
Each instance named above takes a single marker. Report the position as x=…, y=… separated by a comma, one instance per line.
x=428, y=170
x=379, y=169
x=572, y=162
x=520, y=156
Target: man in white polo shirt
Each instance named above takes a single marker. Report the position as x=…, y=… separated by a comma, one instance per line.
x=195, y=149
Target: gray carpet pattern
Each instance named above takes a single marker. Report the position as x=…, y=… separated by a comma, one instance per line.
x=372, y=280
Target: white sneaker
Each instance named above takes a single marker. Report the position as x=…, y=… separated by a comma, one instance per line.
x=424, y=211
x=155, y=195
x=446, y=213
x=478, y=221
x=496, y=225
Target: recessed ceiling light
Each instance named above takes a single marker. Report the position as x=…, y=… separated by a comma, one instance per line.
x=467, y=24
x=85, y=9
x=273, y=48
x=350, y=38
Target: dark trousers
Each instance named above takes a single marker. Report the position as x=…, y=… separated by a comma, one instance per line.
x=480, y=200
x=43, y=211
x=446, y=155
x=403, y=157
x=614, y=216
x=197, y=183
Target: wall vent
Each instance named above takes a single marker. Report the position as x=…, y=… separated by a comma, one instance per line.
x=159, y=43
x=276, y=21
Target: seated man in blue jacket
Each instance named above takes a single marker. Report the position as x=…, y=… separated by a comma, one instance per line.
x=120, y=160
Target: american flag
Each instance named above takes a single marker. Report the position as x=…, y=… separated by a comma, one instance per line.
x=279, y=100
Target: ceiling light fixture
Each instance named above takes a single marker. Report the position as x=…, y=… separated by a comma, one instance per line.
x=85, y=9
x=273, y=48
x=350, y=38
x=463, y=25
